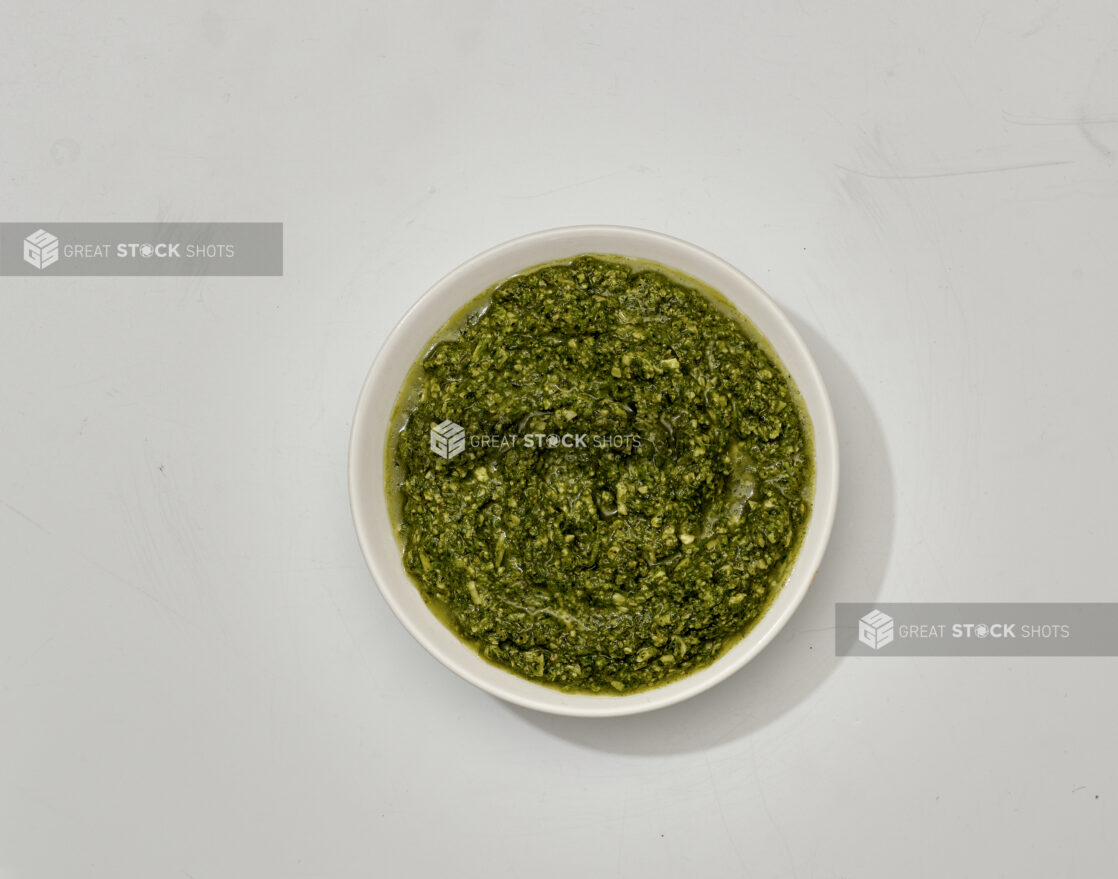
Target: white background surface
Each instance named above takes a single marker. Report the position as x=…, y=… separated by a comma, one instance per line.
x=197, y=675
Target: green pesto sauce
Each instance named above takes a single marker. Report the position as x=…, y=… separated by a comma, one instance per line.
x=641, y=552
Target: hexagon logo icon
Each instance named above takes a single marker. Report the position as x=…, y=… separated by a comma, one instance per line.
x=40, y=249
x=875, y=629
x=448, y=439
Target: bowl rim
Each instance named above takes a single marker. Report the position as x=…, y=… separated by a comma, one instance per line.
x=386, y=567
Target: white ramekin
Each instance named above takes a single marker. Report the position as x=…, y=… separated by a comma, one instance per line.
x=408, y=341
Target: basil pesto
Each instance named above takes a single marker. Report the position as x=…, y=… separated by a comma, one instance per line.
x=600, y=475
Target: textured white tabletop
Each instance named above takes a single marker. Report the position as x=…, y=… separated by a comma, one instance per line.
x=198, y=677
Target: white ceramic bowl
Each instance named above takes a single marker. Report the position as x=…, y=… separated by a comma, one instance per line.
x=409, y=340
